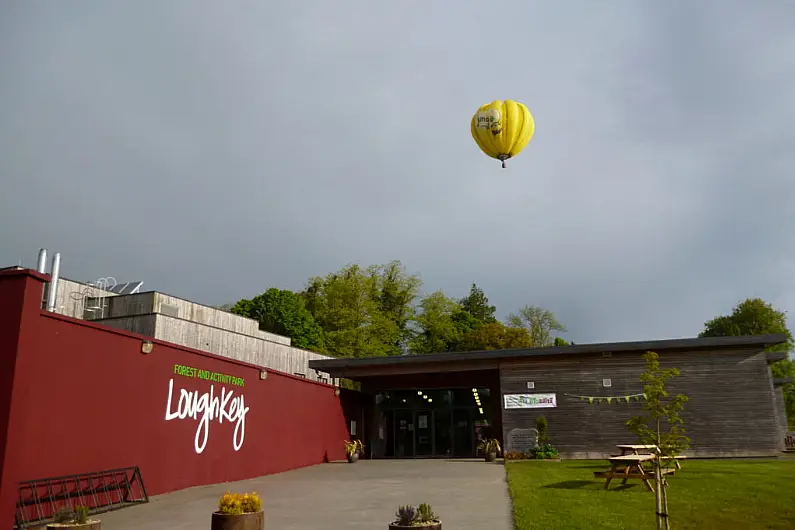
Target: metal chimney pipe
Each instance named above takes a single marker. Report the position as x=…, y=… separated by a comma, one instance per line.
x=55, y=271
x=42, y=265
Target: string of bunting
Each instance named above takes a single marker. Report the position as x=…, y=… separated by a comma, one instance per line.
x=609, y=399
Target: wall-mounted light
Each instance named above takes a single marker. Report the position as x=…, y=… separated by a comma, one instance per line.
x=607, y=383
x=336, y=391
x=419, y=392
x=263, y=375
x=146, y=346
x=531, y=385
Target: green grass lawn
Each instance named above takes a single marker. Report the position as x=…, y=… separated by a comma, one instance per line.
x=703, y=495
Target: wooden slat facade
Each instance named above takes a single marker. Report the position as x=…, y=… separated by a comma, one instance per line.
x=732, y=410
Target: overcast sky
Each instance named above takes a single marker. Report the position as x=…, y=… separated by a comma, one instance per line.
x=215, y=149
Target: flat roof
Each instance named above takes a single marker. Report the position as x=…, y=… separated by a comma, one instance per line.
x=346, y=364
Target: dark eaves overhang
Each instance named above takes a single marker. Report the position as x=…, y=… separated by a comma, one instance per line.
x=344, y=367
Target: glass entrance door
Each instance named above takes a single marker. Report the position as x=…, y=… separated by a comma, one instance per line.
x=423, y=429
x=463, y=435
x=404, y=434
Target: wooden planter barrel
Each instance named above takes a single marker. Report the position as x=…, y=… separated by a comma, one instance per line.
x=246, y=521
x=491, y=457
x=352, y=459
x=91, y=525
x=432, y=526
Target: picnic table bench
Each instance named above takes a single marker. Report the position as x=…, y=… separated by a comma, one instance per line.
x=631, y=449
x=628, y=467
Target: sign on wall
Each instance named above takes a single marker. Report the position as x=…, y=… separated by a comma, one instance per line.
x=530, y=401
x=208, y=406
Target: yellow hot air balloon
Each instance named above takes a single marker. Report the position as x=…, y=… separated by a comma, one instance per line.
x=502, y=129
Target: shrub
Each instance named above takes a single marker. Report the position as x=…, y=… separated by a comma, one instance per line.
x=81, y=514
x=239, y=503
x=426, y=513
x=406, y=515
x=489, y=445
x=542, y=426
x=515, y=455
x=546, y=451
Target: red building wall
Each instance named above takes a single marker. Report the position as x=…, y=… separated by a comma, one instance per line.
x=85, y=398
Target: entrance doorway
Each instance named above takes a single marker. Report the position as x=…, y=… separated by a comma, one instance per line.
x=445, y=423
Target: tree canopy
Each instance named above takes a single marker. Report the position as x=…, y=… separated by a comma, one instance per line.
x=283, y=312
x=378, y=311
x=754, y=316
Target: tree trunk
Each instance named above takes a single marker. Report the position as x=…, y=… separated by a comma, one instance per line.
x=658, y=483
x=665, y=503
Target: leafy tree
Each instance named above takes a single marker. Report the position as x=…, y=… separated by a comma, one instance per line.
x=395, y=292
x=754, y=316
x=476, y=303
x=495, y=336
x=283, y=312
x=539, y=322
x=436, y=328
x=660, y=425
x=364, y=312
x=560, y=342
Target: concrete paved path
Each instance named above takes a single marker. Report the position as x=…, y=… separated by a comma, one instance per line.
x=465, y=494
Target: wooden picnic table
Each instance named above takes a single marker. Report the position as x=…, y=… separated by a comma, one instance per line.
x=630, y=449
x=640, y=449
x=626, y=467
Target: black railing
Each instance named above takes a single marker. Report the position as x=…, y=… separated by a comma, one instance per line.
x=102, y=491
x=789, y=441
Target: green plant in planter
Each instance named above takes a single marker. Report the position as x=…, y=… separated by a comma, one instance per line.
x=420, y=517
x=77, y=517
x=353, y=450
x=426, y=513
x=490, y=447
x=406, y=515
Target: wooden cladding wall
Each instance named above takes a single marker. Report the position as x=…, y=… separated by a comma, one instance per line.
x=731, y=411
x=72, y=298
x=246, y=348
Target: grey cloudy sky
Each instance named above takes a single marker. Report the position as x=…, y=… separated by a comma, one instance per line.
x=214, y=149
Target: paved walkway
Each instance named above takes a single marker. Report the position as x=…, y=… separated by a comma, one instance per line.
x=465, y=494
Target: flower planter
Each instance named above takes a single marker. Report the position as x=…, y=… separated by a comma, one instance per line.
x=491, y=457
x=89, y=525
x=352, y=459
x=436, y=525
x=246, y=521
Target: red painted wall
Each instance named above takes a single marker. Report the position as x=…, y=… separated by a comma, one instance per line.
x=86, y=399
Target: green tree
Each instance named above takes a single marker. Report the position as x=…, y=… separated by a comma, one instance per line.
x=395, y=292
x=283, y=312
x=364, y=312
x=539, y=322
x=660, y=425
x=436, y=330
x=476, y=303
x=754, y=316
x=495, y=336
x=560, y=342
